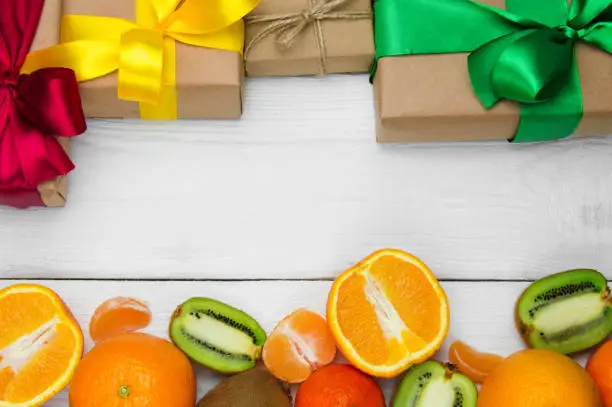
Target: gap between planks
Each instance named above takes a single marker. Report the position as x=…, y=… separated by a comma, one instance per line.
x=264, y=280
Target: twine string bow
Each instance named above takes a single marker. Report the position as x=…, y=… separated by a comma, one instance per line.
x=288, y=27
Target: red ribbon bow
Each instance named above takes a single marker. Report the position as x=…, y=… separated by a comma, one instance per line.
x=34, y=109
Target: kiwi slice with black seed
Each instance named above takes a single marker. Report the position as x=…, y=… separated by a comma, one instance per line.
x=566, y=312
x=432, y=384
x=217, y=335
x=255, y=388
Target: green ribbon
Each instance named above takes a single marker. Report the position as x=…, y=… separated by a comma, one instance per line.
x=524, y=53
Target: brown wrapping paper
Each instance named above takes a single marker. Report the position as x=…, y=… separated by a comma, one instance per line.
x=349, y=43
x=53, y=192
x=208, y=81
x=422, y=98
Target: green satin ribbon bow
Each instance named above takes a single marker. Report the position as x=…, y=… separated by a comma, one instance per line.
x=524, y=53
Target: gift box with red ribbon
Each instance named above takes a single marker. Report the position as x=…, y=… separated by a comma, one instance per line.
x=39, y=111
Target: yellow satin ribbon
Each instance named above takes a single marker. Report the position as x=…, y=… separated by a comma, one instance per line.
x=143, y=52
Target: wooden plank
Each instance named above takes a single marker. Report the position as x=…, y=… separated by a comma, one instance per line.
x=299, y=189
x=481, y=312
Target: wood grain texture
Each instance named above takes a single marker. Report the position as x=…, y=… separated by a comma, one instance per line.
x=481, y=312
x=300, y=189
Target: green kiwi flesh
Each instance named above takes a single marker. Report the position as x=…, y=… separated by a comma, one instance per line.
x=432, y=384
x=217, y=335
x=566, y=312
x=254, y=388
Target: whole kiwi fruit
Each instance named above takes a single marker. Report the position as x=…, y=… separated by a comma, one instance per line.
x=254, y=388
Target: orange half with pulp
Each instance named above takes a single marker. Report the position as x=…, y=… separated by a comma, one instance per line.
x=40, y=345
x=388, y=312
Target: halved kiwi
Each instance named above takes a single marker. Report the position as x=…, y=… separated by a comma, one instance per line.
x=566, y=312
x=217, y=335
x=432, y=384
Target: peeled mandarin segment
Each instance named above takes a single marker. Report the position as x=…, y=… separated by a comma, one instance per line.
x=314, y=333
x=41, y=345
x=298, y=345
x=118, y=315
x=282, y=361
x=475, y=365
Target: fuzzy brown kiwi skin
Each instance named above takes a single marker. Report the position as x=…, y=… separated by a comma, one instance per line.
x=279, y=394
x=175, y=314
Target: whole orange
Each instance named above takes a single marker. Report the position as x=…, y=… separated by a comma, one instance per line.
x=136, y=370
x=339, y=386
x=600, y=368
x=538, y=378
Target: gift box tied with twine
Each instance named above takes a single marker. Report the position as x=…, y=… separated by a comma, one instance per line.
x=309, y=37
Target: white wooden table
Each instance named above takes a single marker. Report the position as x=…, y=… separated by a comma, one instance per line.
x=263, y=213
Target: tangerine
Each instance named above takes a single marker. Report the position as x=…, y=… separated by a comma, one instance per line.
x=387, y=313
x=600, y=369
x=118, y=315
x=40, y=345
x=537, y=378
x=339, y=386
x=300, y=344
x=134, y=369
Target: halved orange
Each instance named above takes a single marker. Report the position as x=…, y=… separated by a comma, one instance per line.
x=40, y=345
x=387, y=313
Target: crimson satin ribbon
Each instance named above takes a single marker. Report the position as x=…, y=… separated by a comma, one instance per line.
x=34, y=109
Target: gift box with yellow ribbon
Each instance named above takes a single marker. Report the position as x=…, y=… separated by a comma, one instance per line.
x=522, y=70
x=309, y=37
x=155, y=59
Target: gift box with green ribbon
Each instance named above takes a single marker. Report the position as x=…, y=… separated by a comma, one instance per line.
x=522, y=70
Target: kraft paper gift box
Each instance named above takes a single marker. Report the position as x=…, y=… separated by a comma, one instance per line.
x=16, y=189
x=424, y=97
x=135, y=58
x=309, y=37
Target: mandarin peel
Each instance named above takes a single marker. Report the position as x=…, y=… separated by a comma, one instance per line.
x=107, y=375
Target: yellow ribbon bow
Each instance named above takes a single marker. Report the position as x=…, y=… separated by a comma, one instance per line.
x=144, y=52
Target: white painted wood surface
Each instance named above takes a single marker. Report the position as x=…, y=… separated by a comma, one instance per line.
x=297, y=192
x=299, y=189
x=481, y=312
